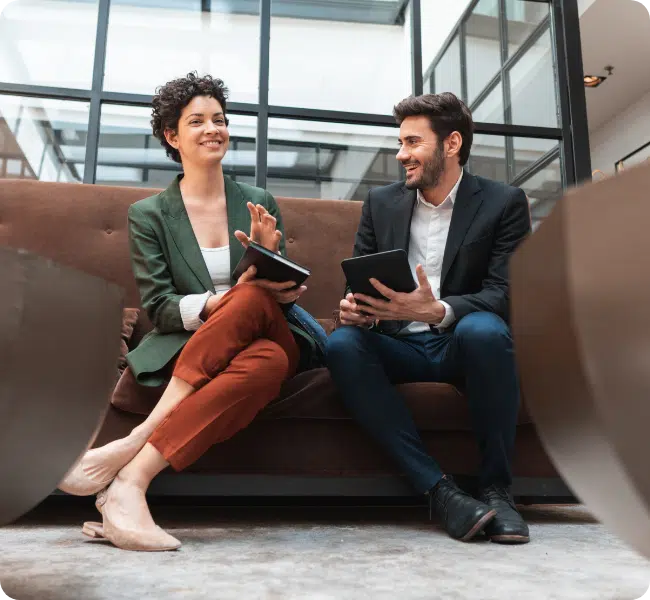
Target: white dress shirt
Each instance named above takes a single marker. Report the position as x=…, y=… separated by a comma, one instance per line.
x=428, y=238
x=217, y=260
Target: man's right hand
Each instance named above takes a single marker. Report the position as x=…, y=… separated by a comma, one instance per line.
x=351, y=313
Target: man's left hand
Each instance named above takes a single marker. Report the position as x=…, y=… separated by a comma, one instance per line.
x=420, y=305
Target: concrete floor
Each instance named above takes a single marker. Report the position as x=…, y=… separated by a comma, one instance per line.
x=318, y=553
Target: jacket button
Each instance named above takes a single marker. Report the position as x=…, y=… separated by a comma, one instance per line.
x=109, y=231
x=291, y=240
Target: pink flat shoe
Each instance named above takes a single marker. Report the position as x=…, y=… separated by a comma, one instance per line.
x=93, y=529
x=80, y=481
x=156, y=540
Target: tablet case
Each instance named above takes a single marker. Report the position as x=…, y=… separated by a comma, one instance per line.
x=270, y=265
x=390, y=268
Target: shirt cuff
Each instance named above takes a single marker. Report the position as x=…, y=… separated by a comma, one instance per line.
x=191, y=307
x=449, y=317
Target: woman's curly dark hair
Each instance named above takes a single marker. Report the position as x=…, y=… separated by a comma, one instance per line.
x=174, y=96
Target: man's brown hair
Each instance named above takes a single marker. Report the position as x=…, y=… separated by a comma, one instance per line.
x=446, y=112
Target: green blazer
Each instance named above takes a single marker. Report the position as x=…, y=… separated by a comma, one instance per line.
x=168, y=264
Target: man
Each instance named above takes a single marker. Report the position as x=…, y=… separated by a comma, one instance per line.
x=459, y=231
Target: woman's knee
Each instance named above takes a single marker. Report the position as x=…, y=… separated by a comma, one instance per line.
x=272, y=362
x=483, y=329
x=252, y=293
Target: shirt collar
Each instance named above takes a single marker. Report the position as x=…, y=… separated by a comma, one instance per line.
x=452, y=194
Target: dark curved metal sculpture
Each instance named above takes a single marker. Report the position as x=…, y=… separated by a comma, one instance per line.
x=59, y=342
x=581, y=324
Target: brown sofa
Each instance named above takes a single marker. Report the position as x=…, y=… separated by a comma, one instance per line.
x=304, y=443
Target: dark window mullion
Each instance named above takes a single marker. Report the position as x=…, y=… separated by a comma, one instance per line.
x=263, y=100
x=505, y=89
x=94, y=116
x=416, y=48
x=462, y=38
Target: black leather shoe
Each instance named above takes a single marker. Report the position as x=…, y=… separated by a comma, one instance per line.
x=508, y=527
x=461, y=515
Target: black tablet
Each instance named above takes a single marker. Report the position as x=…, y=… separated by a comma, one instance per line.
x=270, y=265
x=390, y=268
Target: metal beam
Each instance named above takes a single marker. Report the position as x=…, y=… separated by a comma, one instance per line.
x=416, y=48
x=309, y=114
x=94, y=118
x=550, y=133
x=566, y=21
x=541, y=163
x=263, y=99
x=240, y=108
x=42, y=91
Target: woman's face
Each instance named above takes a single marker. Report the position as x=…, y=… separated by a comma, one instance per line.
x=202, y=136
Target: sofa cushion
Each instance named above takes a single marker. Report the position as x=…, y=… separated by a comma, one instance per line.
x=129, y=319
x=132, y=397
x=312, y=395
x=434, y=406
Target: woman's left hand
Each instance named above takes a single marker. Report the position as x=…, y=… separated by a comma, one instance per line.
x=263, y=229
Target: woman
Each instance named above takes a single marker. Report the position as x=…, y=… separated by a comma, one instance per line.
x=229, y=345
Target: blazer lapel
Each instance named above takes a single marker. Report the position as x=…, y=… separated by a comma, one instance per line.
x=238, y=218
x=402, y=218
x=468, y=201
x=180, y=227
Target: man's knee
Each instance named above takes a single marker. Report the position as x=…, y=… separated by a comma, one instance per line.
x=346, y=342
x=484, y=329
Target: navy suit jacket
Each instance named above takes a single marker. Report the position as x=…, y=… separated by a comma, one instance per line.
x=488, y=222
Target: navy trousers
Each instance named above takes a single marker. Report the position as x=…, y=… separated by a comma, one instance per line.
x=478, y=353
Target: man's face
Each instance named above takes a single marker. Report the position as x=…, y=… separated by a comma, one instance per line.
x=421, y=153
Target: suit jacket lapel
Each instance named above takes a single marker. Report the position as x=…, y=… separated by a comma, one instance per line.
x=402, y=218
x=468, y=201
x=238, y=218
x=180, y=227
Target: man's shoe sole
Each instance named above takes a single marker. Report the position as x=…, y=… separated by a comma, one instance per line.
x=510, y=539
x=479, y=526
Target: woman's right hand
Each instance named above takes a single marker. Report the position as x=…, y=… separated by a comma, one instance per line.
x=263, y=229
x=282, y=292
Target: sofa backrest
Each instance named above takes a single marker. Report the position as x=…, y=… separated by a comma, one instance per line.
x=85, y=227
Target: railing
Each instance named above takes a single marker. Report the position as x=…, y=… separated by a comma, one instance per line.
x=641, y=154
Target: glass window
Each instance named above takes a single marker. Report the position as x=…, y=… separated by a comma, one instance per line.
x=150, y=43
x=488, y=157
x=323, y=62
x=129, y=154
x=483, y=47
x=543, y=189
x=490, y=110
x=329, y=160
x=447, y=74
x=532, y=86
x=523, y=17
x=528, y=151
x=48, y=42
x=42, y=139
x=438, y=19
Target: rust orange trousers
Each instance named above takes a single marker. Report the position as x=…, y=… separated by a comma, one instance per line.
x=236, y=362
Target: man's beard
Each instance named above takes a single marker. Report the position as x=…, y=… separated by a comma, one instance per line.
x=432, y=171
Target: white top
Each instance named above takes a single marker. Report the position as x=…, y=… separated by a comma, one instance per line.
x=217, y=260
x=429, y=231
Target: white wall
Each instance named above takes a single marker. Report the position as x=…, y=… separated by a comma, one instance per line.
x=620, y=136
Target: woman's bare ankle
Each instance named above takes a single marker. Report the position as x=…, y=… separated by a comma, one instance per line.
x=140, y=435
x=129, y=477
